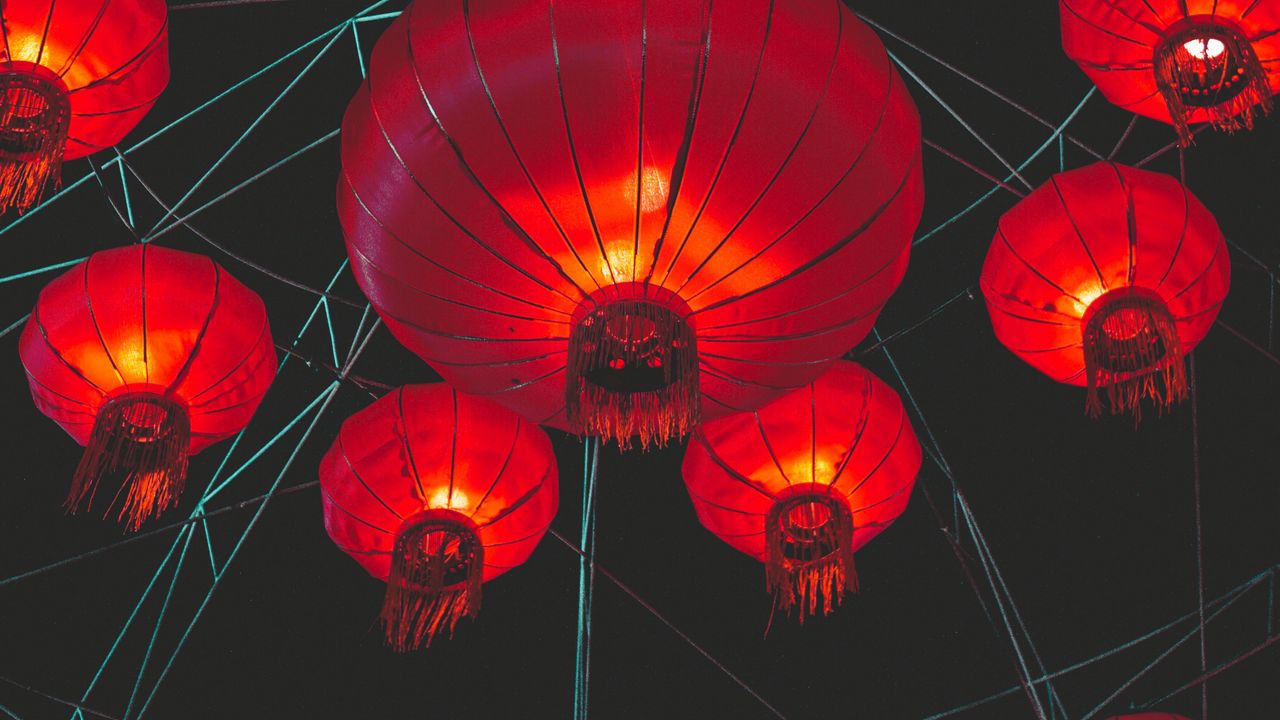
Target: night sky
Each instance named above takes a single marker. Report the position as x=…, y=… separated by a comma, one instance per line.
x=1092, y=524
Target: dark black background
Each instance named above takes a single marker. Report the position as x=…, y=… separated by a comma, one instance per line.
x=1092, y=523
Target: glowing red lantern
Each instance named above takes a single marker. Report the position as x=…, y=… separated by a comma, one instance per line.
x=1179, y=61
x=804, y=482
x=435, y=492
x=75, y=77
x=618, y=217
x=1106, y=276
x=145, y=356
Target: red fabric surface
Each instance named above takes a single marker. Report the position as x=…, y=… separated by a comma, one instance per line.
x=144, y=318
x=428, y=446
x=1069, y=242
x=492, y=159
x=113, y=56
x=847, y=431
x=1114, y=42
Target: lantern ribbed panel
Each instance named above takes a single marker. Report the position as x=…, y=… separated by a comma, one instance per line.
x=510, y=164
x=425, y=447
x=1090, y=231
x=845, y=433
x=145, y=318
x=113, y=56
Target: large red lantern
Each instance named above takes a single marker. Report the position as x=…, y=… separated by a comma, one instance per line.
x=1106, y=276
x=1179, y=61
x=75, y=77
x=804, y=482
x=618, y=217
x=145, y=356
x=435, y=492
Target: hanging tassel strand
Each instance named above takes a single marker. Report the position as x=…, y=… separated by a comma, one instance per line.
x=809, y=546
x=1211, y=66
x=1131, y=350
x=633, y=373
x=436, y=571
x=146, y=438
x=35, y=116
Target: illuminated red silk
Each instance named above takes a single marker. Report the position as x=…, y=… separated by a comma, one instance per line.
x=763, y=166
x=113, y=56
x=429, y=447
x=1114, y=42
x=183, y=326
x=1067, y=243
x=847, y=431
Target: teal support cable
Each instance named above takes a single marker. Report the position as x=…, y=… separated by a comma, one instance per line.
x=586, y=577
x=189, y=531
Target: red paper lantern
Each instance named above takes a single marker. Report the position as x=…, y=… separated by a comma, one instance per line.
x=806, y=481
x=1106, y=276
x=75, y=77
x=618, y=217
x=145, y=356
x=435, y=492
x=1179, y=61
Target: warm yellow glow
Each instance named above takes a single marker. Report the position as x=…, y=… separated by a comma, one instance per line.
x=1204, y=48
x=442, y=499
x=618, y=263
x=653, y=189
x=802, y=470
x=131, y=359
x=1085, y=297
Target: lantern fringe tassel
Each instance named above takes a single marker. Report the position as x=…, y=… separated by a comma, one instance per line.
x=420, y=602
x=35, y=116
x=1131, y=350
x=145, y=438
x=1175, y=68
x=653, y=416
x=816, y=572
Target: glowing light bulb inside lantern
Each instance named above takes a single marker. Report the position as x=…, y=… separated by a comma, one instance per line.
x=1204, y=48
x=618, y=263
x=457, y=500
x=653, y=189
x=1084, y=297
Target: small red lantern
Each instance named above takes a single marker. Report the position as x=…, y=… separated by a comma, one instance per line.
x=146, y=356
x=1106, y=276
x=622, y=217
x=75, y=77
x=807, y=480
x=435, y=492
x=1179, y=61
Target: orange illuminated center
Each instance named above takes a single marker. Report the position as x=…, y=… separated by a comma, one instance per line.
x=145, y=420
x=1125, y=323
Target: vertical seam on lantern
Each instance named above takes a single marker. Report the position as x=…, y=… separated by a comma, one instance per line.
x=93, y=320
x=1155, y=14
x=44, y=334
x=92, y=409
x=1066, y=210
x=1131, y=223
x=508, y=220
x=373, y=109
x=408, y=447
x=142, y=292
x=635, y=242
x=804, y=133
x=568, y=133
x=813, y=434
x=733, y=139
x=515, y=440
x=519, y=503
x=453, y=449
x=822, y=256
x=131, y=66
x=902, y=424
x=682, y=154
x=414, y=251
x=342, y=450
x=864, y=417
x=74, y=55
x=264, y=331
x=1105, y=31
x=769, y=447
x=1029, y=266
x=1201, y=275
x=329, y=499
x=44, y=36
x=1249, y=9
x=214, y=303
x=732, y=473
x=1186, y=222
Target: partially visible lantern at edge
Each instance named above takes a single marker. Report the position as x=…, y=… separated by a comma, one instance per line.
x=1106, y=276
x=145, y=356
x=75, y=77
x=1179, y=61
x=621, y=217
x=435, y=492
x=807, y=480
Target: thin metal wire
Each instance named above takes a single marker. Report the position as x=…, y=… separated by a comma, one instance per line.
x=1195, y=465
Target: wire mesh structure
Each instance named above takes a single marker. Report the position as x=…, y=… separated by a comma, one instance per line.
x=241, y=166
